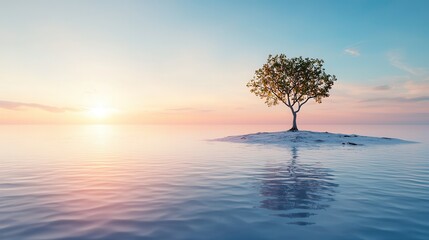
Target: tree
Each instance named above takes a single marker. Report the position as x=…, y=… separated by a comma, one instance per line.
x=291, y=81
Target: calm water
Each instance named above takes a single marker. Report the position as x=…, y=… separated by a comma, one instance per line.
x=167, y=182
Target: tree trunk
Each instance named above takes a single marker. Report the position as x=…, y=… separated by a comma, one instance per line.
x=294, y=126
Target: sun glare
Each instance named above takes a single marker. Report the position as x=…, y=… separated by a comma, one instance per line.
x=100, y=112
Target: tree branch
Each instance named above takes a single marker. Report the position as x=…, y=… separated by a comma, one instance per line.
x=272, y=91
x=300, y=105
x=297, y=99
x=288, y=100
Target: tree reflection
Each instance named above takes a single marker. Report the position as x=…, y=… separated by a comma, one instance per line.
x=297, y=189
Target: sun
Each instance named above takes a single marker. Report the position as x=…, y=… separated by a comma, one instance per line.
x=100, y=112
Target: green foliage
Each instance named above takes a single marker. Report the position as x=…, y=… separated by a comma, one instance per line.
x=292, y=81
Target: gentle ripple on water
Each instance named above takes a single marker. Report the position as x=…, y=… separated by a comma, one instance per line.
x=134, y=182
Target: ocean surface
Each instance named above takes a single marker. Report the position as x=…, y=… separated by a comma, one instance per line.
x=170, y=182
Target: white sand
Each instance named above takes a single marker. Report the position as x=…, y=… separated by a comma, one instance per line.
x=309, y=138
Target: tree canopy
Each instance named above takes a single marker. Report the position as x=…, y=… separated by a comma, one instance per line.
x=291, y=81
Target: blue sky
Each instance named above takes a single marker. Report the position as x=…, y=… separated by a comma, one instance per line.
x=131, y=54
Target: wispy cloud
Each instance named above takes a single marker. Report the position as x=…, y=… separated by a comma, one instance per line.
x=352, y=52
x=398, y=99
x=382, y=87
x=396, y=60
x=10, y=105
x=400, y=91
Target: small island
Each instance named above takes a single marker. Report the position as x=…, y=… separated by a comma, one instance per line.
x=310, y=138
x=293, y=82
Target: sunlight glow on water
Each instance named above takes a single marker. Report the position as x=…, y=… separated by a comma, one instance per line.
x=167, y=182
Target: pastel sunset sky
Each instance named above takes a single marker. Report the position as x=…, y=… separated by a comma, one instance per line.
x=189, y=61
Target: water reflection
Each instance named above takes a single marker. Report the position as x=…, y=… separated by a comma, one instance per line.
x=297, y=190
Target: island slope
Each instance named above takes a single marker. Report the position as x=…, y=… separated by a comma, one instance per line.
x=310, y=138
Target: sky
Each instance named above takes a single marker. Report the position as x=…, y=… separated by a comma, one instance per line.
x=188, y=62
